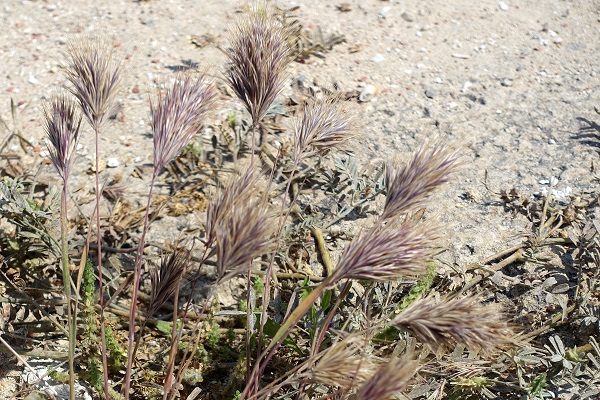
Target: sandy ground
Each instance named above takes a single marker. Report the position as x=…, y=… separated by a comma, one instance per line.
x=515, y=82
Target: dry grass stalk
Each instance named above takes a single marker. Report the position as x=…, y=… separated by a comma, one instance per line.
x=61, y=123
x=95, y=75
x=323, y=125
x=460, y=320
x=389, y=381
x=408, y=186
x=259, y=55
x=177, y=115
x=388, y=251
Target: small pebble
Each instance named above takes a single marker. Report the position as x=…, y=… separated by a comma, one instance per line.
x=437, y=79
x=378, y=58
x=452, y=104
x=430, y=93
x=460, y=55
x=506, y=82
x=112, y=162
x=408, y=17
x=383, y=12
x=551, y=141
x=466, y=86
x=368, y=93
x=33, y=80
x=503, y=6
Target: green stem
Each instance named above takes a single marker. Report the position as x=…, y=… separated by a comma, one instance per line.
x=282, y=333
x=72, y=323
x=136, y=286
x=266, y=292
x=96, y=127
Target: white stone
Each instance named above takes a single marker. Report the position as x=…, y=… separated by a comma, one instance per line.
x=378, y=58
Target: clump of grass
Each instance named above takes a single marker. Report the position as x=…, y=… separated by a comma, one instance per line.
x=244, y=232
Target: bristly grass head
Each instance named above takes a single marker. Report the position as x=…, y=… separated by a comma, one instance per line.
x=258, y=56
x=241, y=225
x=166, y=278
x=177, y=115
x=388, y=251
x=61, y=123
x=95, y=76
x=325, y=124
x=389, y=381
x=408, y=186
x=238, y=191
x=346, y=363
x=459, y=320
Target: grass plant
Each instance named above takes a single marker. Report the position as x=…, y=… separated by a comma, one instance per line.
x=362, y=330
x=95, y=75
x=62, y=128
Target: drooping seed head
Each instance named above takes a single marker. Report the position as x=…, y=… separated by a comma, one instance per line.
x=237, y=191
x=61, y=123
x=259, y=54
x=177, y=115
x=409, y=185
x=460, y=320
x=324, y=124
x=346, y=364
x=389, y=381
x=165, y=279
x=388, y=251
x=241, y=225
x=95, y=75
